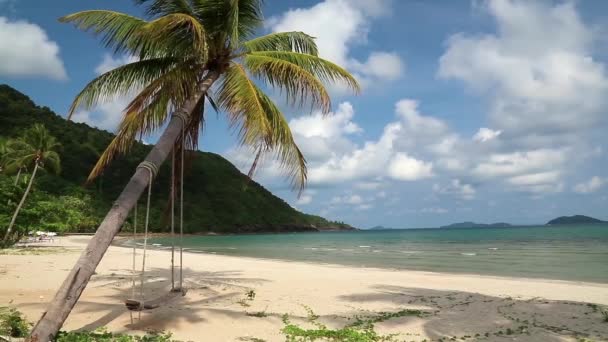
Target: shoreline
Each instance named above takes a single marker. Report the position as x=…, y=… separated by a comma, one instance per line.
x=216, y=304
x=121, y=244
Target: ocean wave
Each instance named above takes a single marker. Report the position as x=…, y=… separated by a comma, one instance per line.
x=468, y=254
x=493, y=248
x=365, y=246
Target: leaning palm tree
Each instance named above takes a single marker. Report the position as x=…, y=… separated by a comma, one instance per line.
x=190, y=52
x=37, y=147
x=3, y=154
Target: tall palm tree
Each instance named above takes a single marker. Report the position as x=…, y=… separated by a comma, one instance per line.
x=191, y=51
x=3, y=154
x=37, y=147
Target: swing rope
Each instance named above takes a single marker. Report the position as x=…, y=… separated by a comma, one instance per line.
x=153, y=171
x=184, y=117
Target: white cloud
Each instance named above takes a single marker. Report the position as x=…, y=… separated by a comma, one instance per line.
x=456, y=188
x=537, y=85
x=27, y=51
x=304, y=199
x=371, y=185
x=518, y=163
x=381, y=65
x=536, y=178
x=326, y=126
x=108, y=114
x=338, y=26
x=434, y=210
x=365, y=207
x=347, y=199
x=405, y=168
x=486, y=134
x=592, y=185
x=110, y=63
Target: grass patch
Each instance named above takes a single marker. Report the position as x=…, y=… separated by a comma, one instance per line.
x=604, y=313
x=34, y=250
x=12, y=323
x=385, y=316
x=259, y=314
x=362, y=330
x=101, y=335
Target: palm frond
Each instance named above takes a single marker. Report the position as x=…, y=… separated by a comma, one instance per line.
x=51, y=162
x=298, y=84
x=283, y=41
x=148, y=111
x=260, y=123
x=175, y=34
x=120, y=81
x=164, y=7
x=119, y=31
x=229, y=21
x=271, y=65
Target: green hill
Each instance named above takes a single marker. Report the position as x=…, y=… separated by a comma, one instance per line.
x=576, y=219
x=219, y=198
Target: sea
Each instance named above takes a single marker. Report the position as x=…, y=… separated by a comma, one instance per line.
x=570, y=252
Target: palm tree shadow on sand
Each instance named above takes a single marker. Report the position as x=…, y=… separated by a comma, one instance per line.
x=206, y=291
x=473, y=316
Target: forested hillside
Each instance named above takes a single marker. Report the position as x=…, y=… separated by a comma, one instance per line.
x=219, y=198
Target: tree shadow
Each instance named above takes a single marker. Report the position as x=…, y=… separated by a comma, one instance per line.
x=206, y=291
x=467, y=315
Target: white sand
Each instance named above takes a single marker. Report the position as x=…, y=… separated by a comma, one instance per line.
x=458, y=305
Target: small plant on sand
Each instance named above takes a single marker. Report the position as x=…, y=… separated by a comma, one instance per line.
x=363, y=332
x=604, y=313
x=12, y=323
x=243, y=303
x=101, y=335
x=259, y=314
x=250, y=294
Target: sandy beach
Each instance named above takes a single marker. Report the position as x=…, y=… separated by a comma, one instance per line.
x=216, y=307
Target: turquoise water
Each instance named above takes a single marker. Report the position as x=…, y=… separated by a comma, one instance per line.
x=564, y=252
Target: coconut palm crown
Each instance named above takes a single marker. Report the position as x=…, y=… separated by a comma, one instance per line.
x=36, y=148
x=179, y=44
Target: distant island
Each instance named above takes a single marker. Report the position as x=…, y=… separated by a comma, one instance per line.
x=379, y=228
x=576, y=219
x=477, y=225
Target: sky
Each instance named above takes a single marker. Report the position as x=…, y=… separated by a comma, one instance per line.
x=482, y=110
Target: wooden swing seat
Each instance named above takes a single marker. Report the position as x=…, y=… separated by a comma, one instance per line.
x=136, y=305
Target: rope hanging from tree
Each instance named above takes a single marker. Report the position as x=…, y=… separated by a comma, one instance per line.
x=141, y=303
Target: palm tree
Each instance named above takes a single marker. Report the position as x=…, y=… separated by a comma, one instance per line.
x=3, y=154
x=37, y=148
x=190, y=52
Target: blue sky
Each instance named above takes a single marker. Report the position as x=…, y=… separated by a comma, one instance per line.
x=476, y=110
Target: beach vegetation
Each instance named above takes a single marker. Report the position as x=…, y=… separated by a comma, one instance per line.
x=36, y=150
x=361, y=330
x=101, y=335
x=12, y=323
x=259, y=314
x=604, y=313
x=250, y=295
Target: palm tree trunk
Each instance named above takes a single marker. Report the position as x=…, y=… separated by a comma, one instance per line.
x=27, y=191
x=71, y=289
x=17, y=178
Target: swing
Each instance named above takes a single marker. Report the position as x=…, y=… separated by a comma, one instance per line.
x=141, y=303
